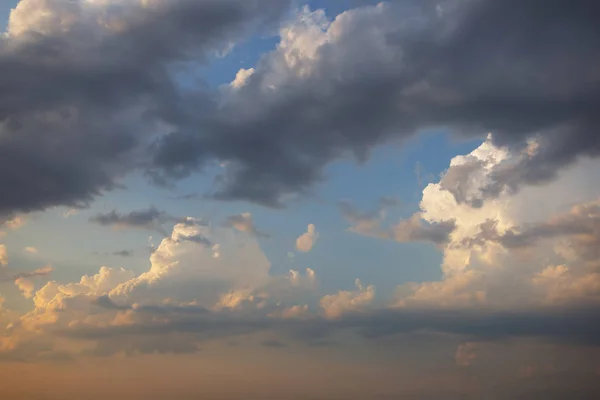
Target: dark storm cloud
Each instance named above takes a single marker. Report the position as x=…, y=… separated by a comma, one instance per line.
x=517, y=68
x=79, y=105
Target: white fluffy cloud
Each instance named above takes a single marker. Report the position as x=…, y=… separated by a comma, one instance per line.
x=184, y=267
x=308, y=239
x=335, y=305
x=184, y=273
x=516, y=248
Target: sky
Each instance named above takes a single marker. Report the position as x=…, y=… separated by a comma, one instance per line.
x=278, y=199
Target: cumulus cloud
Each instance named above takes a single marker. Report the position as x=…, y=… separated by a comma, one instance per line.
x=26, y=286
x=534, y=244
x=11, y=223
x=102, y=74
x=244, y=223
x=412, y=229
x=344, y=301
x=520, y=265
x=185, y=278
x=384, y=72
x=23, y=280
x=295, y=312
x=105, y=92
x=307, y=240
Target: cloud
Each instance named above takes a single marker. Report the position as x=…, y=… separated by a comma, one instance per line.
x=562, y=326
x=367, y=223
x=184, y=276
x=6, y=276
x=244, y=223
x=69, y=213
x=26, y=286
x=14, y=223
x=294, y=312
x=150, y=219
x=534, y=246
x=104, y=89
x=185, y=279
x=123, y=253
x=466, y=354
x=307, y=240
x=241, y=78
x=3, y=256
x=374, y=74
x=521, y=265
x=11, y=223
x=385, y=72
x=409, y=230
x=344, y=301
x=188, y=196
x=23, y=279
x=30, y=250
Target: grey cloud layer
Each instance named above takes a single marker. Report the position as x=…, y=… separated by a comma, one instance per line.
x=516, y=68
x=80, y=107
x=569, y=325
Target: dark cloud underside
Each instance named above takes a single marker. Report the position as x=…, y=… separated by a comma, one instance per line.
x=81, y=107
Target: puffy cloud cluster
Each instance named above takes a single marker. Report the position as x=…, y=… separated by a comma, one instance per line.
x=385, y=72
x=244, y=223
x=533, y=250
x=21, y=279
x=344, y=301
x=87, y=86
x=196, y=271
x=535, y=246
x=307, y=240
x=105, y=91
x=10, y=223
